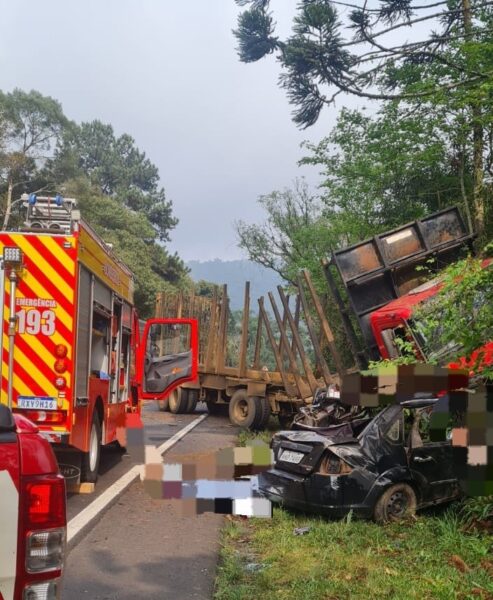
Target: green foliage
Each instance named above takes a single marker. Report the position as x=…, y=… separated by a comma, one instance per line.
x=431, y=144
x=294, y=234
x=460, y=317
x=133, y=241
x=476, y=512
x=381, y=172
x=118, y=168
x=30, y=127
x=324, y=57
x=116, y=185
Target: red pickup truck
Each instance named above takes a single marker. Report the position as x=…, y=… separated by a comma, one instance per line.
x=32, y=513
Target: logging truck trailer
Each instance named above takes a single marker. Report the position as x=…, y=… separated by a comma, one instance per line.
x=249, y=390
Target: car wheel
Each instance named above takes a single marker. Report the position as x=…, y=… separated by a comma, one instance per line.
x=262, y=410
x=178, y=402
x=396, y=503
x=163, y=405
x=90, y=460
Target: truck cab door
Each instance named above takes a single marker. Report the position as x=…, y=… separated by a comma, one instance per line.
x=168, y=356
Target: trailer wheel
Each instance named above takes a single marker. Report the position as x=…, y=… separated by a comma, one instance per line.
x=163, y=405
x=243, y=409
x=90, y=460
x=178, y=402
x=193, y=398
x=262, y=413
x=397, y=502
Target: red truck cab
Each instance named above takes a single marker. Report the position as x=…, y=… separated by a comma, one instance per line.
x=32, y=513
x=395, y=320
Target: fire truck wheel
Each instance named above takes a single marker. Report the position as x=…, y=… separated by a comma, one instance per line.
x=262, y=413
x=163, y=405
x=178, y=402
x=193, y=398
x=90, y=460
x=243, y=409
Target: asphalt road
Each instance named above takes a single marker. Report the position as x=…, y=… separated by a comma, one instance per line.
x=140, y=547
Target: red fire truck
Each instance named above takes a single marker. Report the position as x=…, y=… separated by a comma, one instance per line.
x=72, y=357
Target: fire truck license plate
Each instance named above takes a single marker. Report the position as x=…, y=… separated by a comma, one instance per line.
x=292, y=457
x=36, y=403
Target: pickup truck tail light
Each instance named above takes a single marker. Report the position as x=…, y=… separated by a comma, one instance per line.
x=43, y=526
x=45, y=551
x=45, y=590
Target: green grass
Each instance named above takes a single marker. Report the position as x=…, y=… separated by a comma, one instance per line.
x=246, y=435
x=427, y=558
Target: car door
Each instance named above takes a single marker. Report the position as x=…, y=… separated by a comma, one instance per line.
x=432, y=466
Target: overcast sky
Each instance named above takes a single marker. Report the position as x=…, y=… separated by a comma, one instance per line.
x=167, y=73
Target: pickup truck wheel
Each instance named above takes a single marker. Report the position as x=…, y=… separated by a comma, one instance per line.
x=163, y=405
x=396, y=503
x=262, y=413
x=178, y=402
x=90, y=460
x=243, y=409
x=193, y=398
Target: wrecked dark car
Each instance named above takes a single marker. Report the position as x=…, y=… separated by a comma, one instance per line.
x=382, y=467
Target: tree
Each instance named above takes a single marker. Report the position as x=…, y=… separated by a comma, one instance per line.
x=31, y=126
x=294, y=234
x=449, y=63
x=134, y=241
x=383, y=171
x=319, y=62
x=118, y=168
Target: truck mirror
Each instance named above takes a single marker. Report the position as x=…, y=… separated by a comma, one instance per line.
x=168, y=356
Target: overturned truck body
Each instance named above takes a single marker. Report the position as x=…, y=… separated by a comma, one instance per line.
x=235, y=378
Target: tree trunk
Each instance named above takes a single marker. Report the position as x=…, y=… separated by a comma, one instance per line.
x=8, y=208
x=477, y=137
x=478, y=192
x=464, y=194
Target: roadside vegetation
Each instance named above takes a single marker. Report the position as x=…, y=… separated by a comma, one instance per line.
x=431, y=556
x=443, y=553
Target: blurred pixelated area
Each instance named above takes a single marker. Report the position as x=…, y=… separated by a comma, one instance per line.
x=462, y=414
x=221, y=482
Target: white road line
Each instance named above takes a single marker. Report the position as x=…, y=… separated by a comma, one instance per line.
x=81, y=520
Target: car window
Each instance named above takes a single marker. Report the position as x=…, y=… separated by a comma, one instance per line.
x=393, y=433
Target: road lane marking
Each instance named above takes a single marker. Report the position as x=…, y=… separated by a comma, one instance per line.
x=78, y=523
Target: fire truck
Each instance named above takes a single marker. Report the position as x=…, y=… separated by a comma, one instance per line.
x=73, y=359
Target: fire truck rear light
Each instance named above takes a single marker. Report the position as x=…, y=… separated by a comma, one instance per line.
x=47, y=590
x=60, y=365
x=60, y=383
x=45, y=502
x=61, y=351
x=45, y=551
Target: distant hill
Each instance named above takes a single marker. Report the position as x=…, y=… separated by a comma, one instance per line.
x=234, y=273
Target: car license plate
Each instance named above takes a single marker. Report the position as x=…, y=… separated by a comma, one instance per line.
x=291, y=457
x=36, y=403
